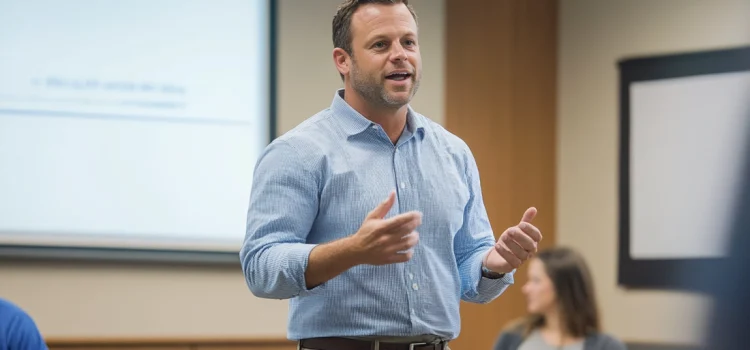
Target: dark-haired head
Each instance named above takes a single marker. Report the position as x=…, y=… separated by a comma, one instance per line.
x=560, y=285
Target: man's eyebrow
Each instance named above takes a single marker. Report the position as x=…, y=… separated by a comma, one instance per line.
x=379, y=37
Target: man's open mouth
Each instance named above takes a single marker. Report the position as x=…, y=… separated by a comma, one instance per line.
x=398, y=76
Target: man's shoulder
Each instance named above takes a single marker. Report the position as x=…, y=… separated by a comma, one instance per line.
x=307, y=138
x=444, y=137
x=313, y=126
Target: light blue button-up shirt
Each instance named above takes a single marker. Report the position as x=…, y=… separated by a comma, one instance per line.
x=317, y=183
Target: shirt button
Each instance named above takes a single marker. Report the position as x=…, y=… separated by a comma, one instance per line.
x=411, y=275
x=374, y=127
x=403, y=185
x=415, y=286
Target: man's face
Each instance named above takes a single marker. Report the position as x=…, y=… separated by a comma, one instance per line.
x=385, y=65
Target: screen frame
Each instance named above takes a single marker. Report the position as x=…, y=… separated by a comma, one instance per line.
x=30, y=252
x=678, y=274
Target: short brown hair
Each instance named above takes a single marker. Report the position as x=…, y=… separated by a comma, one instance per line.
x=574, y=288
x=342, y=21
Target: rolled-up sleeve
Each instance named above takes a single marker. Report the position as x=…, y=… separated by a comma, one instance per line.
x=283, y=205
x=473, y=242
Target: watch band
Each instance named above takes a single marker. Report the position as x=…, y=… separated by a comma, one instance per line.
x=487, y=273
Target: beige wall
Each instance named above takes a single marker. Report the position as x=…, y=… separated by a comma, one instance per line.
x=82, y=300
x=594, y=34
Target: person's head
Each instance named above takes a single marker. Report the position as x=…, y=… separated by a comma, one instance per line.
x=376, y=50
x=559, y=283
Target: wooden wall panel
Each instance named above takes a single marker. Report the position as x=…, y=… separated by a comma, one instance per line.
x=501, y=99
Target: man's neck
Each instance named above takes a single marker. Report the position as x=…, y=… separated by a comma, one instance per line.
x=392, y=120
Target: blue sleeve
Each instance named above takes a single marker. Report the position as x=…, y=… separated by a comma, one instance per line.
x=283, y=206
x=23, y=334
x=473, y=241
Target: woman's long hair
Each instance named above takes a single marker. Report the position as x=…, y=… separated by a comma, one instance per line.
x=574, y=289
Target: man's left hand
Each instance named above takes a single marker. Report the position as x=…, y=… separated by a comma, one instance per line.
x=516, y=245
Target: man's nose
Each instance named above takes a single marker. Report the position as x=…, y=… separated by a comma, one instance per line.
x=398, y=53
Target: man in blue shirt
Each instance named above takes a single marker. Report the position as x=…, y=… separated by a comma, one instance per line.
x=18, y=330
x=368, y=216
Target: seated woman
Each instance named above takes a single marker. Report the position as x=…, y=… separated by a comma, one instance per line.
x=563, y=314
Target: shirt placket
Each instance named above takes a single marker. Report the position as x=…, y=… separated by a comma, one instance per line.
x=405, y=194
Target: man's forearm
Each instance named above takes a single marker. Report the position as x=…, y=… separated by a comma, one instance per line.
x=329, y=260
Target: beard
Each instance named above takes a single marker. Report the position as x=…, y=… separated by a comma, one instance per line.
x=372, y=88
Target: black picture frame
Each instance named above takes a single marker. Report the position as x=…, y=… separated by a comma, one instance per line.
x=674, y=274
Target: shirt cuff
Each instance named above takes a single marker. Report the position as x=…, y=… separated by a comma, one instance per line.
x=298, y=257
x=487, y=288
x=490, y=288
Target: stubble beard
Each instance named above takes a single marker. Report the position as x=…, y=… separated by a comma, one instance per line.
x=374, y=91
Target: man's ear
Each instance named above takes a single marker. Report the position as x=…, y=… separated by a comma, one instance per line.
x=342, y=60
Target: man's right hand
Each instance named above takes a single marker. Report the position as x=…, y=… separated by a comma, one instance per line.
x=378, y=241
x=382, y=241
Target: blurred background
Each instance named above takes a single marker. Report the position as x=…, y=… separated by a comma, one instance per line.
x=129, y=160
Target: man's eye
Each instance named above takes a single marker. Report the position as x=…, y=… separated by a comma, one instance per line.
x=379, y=45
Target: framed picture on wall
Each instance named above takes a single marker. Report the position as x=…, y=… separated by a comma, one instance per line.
x=683, y=125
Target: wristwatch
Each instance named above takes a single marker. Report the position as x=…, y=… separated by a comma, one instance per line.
x=487, y=273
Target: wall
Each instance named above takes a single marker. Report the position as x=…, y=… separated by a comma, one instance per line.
x=593, y=36
x=84, y=300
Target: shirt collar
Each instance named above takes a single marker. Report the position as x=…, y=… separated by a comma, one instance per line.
x=353, y=123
